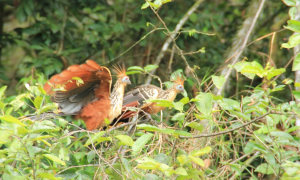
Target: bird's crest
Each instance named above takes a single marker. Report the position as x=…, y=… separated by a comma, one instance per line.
x=120, y=70
x=178, y=79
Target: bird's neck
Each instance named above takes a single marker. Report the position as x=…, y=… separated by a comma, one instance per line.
x=169, y=94
x=116, y=99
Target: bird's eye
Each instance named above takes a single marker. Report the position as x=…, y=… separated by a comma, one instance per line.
x=126, y=80
x=179, y=87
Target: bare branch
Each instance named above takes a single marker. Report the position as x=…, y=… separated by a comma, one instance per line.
x=239, y=46
x=228, y=131
x=171, y=35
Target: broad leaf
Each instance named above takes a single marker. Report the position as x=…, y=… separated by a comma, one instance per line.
x=11, y=119
x=125, y=140
x=140, y=143
x=218, y=81
x=54, y=159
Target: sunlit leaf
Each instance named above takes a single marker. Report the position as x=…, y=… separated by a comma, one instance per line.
x=202, y=151
x=196, y=126
x=290, y=2
x=264, y=168
x=218, y=81
x=293, y=25
x=197, y=160
x=11, y=119
x=204, y=103
x=178, y=117
x=294, y=40
x=97, y=138
x=2, y=90
x=125, y=140
x=141, y=142
x=135, y=68
x=54, y=159
x=150, y=67
x=296, y=63
x=181, y=171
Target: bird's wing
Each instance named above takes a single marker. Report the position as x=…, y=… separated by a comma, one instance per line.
x=75, y=87
x=138, y=98
x=140, y=94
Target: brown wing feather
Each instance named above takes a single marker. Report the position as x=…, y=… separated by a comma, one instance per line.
x=66, y=89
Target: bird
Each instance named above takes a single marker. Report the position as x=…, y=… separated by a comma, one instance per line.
x=85, y=91
x=139, y=98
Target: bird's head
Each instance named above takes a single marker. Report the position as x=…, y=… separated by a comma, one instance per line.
x=178, y=83
x=121, y=74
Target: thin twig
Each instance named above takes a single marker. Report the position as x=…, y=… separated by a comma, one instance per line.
x=228, y=131
x=171, y=35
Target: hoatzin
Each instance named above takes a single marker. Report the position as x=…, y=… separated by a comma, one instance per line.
x=138, y=97
x=85, y=91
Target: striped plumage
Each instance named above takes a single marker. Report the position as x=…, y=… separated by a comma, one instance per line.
x=138, y=97
x=84, y=90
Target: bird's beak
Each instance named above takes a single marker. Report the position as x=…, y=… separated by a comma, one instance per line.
x=128, y=82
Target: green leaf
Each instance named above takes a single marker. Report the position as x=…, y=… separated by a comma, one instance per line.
x=148, y=127
x=290, y=2
x=2, y=90
x=218, y=81
x=133, y=72
x=296, y=94
x=294, y=40
x=293, y=25
x=97, y=138
x=178, y=106
x=229, y=104
x=78, y=81
x=274, y=72
x=151, y=164
x=197, y=160
x=178, y=117
x=150, y=67
x=135, y=68
x=293, y=12
x=185, y=100
x=296, y=63
x=195, y=125
x=241, y=115
x=145, y=5
x=125, y=140
x=38, y=102
x=202, y=151
x=253, y=68
x=204, y=103
x=251, y=146
x=282, y=135
x=11, y=119
x=181, y=171
x=264, y=168
x=54, y=159
x=43, y=126
x=183, y=159
x=50, y=176
x=46, y=108
x=243, y=65
x=140, y=143
x=177, y=133
x=162, y=102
